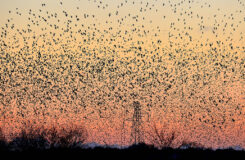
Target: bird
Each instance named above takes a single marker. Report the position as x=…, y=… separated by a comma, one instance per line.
x=95, y=66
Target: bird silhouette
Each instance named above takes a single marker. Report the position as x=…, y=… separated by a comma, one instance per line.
x=98, y=66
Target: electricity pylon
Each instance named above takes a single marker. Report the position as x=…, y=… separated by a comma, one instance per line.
x=137, y=133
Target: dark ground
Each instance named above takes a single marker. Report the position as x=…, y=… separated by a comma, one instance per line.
x=142, y=152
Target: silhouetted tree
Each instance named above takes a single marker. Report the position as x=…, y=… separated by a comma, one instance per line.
x=39, y=138
x=187, y=144
x=66, y=137
x=160, y=137
x=3, y=144
x=29, y=139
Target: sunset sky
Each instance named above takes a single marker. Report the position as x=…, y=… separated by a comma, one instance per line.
x=88, y=61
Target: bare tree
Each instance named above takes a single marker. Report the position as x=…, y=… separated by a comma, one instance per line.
x=66, y=137
x=161, y=137
x=2, y=137
x=2, y=141
x=41, y=138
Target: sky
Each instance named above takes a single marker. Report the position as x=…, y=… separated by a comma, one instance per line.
x=87, y=62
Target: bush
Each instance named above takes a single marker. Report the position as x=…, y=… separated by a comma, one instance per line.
x=3, y=145
x=40, y=138
x=186, y=145
x=141, y=147
x=162, y=138
x=29, y=139
x=27, y=144
x=65, y=137
x=2, y=138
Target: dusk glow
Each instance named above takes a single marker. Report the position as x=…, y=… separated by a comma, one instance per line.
x=84, y=63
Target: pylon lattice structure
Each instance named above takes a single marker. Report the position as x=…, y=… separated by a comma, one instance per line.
x=136, y=132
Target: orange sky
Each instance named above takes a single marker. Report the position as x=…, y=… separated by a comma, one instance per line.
x=77, y=62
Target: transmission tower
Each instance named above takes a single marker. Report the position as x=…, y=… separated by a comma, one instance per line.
x=137, y=134
x=136, y=131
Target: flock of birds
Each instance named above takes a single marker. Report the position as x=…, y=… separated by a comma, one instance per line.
x=99, y=67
